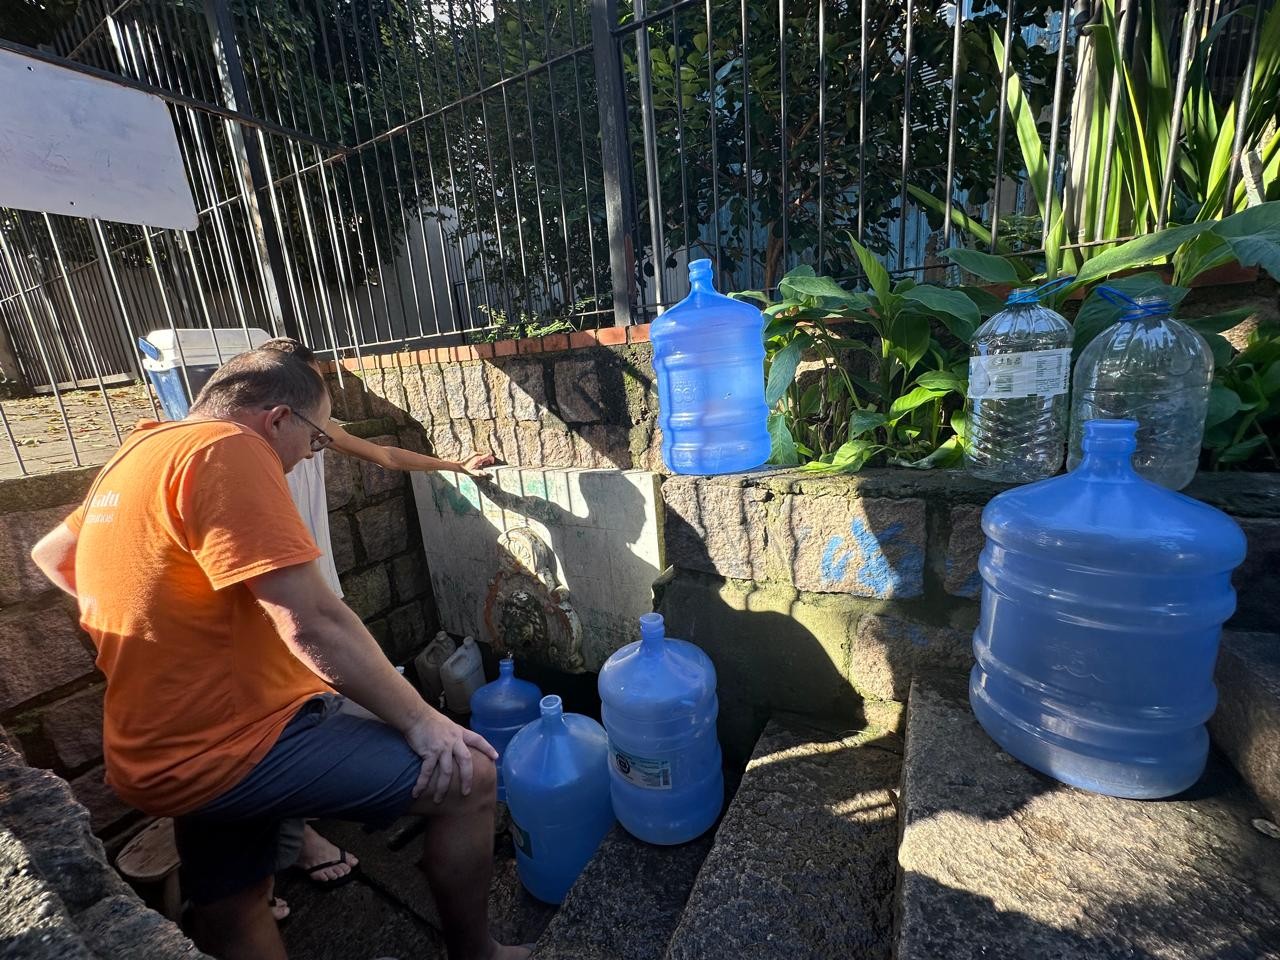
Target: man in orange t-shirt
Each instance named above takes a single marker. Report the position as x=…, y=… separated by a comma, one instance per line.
x=229, y=665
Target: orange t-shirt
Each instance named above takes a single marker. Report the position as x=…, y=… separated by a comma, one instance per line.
x=199, y=683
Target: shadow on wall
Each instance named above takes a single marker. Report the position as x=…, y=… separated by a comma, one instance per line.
x=591, y=407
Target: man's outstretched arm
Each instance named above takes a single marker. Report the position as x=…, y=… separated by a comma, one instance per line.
x=55, y=555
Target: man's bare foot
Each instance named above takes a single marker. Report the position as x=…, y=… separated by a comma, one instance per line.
x=317, y=850
x=279, y=908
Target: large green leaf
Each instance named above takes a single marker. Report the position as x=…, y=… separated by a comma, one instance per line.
x=1096, y=313
x=985, y=265
x=1224, y=403
x=860, y=421
x=1139, y=252
x=1219, y=322
x=943, y=381
x=1254, y=236
x=820, y=287
x=945, y=303
x=782, y=451
x=782, y=372
x=961, y=219
x=913, y=398
x=909, y=338
x=877, y=275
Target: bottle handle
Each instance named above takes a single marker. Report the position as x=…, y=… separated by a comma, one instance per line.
x=1036, y=294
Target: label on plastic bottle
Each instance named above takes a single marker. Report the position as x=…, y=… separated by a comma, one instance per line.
x=1033, y=373
x=520, y=837
x=644, y=772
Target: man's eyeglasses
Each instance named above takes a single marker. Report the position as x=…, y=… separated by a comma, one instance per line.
x=320, y=439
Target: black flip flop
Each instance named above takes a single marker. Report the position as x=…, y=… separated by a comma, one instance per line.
x=331, y=884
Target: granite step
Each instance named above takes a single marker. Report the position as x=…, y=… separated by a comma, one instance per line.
x=998, y=861
x=802, y=866
x=626, y=903
x=1246, y=725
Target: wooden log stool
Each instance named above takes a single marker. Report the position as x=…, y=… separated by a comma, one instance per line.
x=151, y=859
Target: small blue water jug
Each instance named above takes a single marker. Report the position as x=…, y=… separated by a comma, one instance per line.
x=501, y=708
x=659, y=707
x=557, y=774
x=708, y=353
x=1103, y=600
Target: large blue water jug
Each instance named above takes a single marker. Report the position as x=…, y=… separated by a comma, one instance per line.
x=557, y=773
x=501, y=708
x=708, y=353
x=659, y=707
x=1103, y=600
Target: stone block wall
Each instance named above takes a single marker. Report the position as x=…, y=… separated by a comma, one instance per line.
x=377, y=543
x=531, y=402
x=825, y=596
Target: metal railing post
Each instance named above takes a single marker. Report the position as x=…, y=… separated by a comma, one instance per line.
x=614, y=155
x=255, y=183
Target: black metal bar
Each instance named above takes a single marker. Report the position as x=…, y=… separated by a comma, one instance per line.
x=1175, y=121
x=611, y=103
x=1002, y=109
x=908, y=54
x=1124, y=19
x=862, y=123
x=713, y=123
x=822, y=131
x=533, y=151
x=640, y=22
x=782, y=139
x=746, y=147
x=1051, y=173
x=680, y=137
x=648, y=126
x=951, y=121
x=1242, y=114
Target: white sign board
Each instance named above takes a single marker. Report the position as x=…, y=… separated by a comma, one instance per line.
x=84, y=147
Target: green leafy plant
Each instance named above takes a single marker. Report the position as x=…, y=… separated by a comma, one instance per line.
x=522, y=326
x=884, y=385
x=1244, y=407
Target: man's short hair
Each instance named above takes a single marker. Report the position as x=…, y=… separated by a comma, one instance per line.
x=290, y=345
x=258, y=380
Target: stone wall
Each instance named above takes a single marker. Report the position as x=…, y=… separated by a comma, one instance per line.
x=531, y=402
x=825, y=596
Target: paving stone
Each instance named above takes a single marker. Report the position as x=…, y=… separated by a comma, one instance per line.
x=964, y=544
x=34, y=924
x=377, y=480
x=626, y=903
x=544, y=446
x=1255, y=579
x=476, y=388
x=581, y=391
x=1000, y=861
x=368, y=592
x=341, y=478
x=445, y=441
x=713, y=527
x=454, y=391
x=106, y=810
x=384, y=529
x=20, y=578
x=868, y=547
x=342, y=542
x=74, y=726
x=40, y=650
x=1246, y=725
x=527, y=390
x=889, y=651
x=123, y=926
x=802, y=867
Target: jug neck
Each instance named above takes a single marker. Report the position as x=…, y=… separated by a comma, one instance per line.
x=553, y=716
x=653, y=634
x=1108, y=447
x=506, y=668
x=700, y=277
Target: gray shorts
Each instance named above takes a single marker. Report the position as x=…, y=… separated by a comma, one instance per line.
x=332, y=760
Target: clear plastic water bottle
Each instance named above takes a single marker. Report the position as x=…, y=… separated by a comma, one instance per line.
x=500, y=709
x=1150, y=368
x=708, y=354
x=1103, y=599
x=659, y=706
x=1018, y=374
x=557, y=775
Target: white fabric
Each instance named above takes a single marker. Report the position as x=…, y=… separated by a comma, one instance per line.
x=306, y=483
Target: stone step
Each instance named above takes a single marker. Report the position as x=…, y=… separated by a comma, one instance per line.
x=998, y=861
x=626, y=903
x=802, y=866
x=1246, y=725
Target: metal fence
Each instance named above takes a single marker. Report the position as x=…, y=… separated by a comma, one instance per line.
x=374, y=174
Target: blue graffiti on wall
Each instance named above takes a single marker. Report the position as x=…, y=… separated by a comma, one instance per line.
x=876, y=572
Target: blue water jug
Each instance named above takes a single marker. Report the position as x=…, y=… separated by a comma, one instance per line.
x=708, y=353
x=501, y=708
x=557, y=774
x=659, y=707
x=1103, y=600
